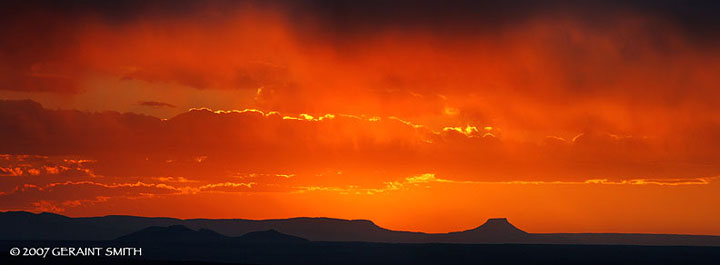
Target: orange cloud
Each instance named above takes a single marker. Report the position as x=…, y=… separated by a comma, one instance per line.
x=257, y=142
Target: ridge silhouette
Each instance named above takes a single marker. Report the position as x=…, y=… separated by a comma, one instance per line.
x=183, y=234
x=173, y=233
x=49, y=226
x=270, y=236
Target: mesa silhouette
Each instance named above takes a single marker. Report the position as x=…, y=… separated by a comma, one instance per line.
x=49, y=226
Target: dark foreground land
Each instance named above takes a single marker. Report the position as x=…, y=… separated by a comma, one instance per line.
x=372, y=253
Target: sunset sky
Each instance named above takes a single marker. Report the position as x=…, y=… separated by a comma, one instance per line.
x=563, y=116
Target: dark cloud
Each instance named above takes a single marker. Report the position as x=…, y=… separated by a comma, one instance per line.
x=28, y=27
x=346, y=16
x=156, y=104
x=696, y=17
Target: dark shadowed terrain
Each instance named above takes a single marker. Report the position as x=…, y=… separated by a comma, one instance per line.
x=377, y=253
x=333, y=241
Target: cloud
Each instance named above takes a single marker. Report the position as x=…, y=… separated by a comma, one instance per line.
x=28, y=196
x=216, y=144
x=486, y=56
x=156, y=104
x=533, y=71
x=57, y=183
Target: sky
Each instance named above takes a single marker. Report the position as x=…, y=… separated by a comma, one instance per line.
x=563, y=116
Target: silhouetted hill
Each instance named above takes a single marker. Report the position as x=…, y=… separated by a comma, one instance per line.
x=315, y=229
x=270, y=236
x=47, y=226
x=173, y=233
x=495, y=230
x=498, y=227
x=183, y=234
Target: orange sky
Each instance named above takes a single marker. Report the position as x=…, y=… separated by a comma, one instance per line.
x=560, y=117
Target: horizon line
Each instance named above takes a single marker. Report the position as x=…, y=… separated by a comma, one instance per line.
x=351, y=220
